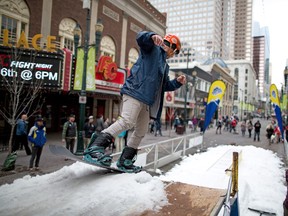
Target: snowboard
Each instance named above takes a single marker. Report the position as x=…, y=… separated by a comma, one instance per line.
x=64, y=152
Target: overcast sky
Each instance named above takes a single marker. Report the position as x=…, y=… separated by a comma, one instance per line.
x=272, y=13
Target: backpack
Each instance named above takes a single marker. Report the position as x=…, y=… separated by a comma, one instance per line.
x=9, y=163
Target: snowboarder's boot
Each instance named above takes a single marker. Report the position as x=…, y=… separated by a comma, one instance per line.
x=95, y=153
x=127, y=159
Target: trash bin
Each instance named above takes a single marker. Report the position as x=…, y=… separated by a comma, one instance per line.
x=180, y=129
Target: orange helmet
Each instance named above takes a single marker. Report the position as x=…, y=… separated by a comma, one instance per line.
x=173, y=42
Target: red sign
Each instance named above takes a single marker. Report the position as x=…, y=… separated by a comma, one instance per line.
x=108, y=75
x=67, y=69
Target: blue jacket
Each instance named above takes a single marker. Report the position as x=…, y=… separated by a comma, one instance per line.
x=21, y=128
x=37, y=135
x=147, y=74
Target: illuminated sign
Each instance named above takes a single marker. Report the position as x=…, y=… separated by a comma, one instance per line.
x=108, y=75
x=30, y=67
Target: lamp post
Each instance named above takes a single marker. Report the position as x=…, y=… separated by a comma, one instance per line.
x=242, y=103
x=186, y=89
x=98, y=34
x=82, y=97
x=77, y=33
x=194, y=75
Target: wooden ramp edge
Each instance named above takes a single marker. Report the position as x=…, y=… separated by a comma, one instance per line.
x=190, y=200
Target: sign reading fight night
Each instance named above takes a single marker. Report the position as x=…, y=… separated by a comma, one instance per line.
x=30, y=66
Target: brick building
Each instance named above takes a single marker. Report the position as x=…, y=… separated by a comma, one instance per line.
x=59, y=18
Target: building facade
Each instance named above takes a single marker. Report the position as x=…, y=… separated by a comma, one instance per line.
x=31, y=20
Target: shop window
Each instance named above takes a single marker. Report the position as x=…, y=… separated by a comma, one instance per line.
x=14, y=16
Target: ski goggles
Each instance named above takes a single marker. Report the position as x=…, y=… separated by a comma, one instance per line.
x=172, y=46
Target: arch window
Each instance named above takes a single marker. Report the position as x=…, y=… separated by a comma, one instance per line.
x=132, y=57
x=108, y=47
x=14, y=16
x=66, y=34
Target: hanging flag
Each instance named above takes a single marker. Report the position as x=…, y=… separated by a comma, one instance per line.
x=79, y=69
x=90, y=72
x=216, y=92
x=274, y=97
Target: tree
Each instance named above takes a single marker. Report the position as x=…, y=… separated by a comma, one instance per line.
x=22, y=86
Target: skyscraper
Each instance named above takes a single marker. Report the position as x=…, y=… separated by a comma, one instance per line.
x=206, y=26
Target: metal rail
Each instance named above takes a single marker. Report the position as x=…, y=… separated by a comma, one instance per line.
x=159, y=154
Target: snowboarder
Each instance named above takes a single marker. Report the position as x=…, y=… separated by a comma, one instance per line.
x=142, y=94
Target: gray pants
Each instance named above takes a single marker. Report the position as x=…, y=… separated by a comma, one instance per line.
x=134, y=114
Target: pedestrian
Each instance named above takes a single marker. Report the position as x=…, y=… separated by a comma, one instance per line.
x=99, y=124
x=89, y=129
x=195, y=123
x=106, y=123
x=243, y=128
x=21, y=135
x=257, y=127
x=37, y=137
x=233, y=126
x=250, y=128
x=69, y=133
x=158, y=130
x=176, y=122
x=201, y=125
x=151, y=126
x=277, y=134
x=219, y=125
x=142, y=93
x=269, y=133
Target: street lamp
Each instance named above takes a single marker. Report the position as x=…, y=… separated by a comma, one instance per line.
x=77, y=33
x=98, y=34
x=194, y=75
x=186, y=89
x=82, y=97
x=242, y=102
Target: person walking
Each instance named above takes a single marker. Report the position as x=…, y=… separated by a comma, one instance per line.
x=69, y=133
x=37, y=137
x=99, y=124
x=269, y=133
x=257, y=127
x=243, y=128
x=158, y=130
x=142, y=95
x=21, y=135
x=219, y=125
x=89, y=129
x=250, y=128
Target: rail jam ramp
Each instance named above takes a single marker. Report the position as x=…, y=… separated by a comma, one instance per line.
x=185, y=199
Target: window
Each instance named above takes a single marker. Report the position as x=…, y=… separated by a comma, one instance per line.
x=108, y=47
x=66, y=34
x=14, y=16
x=132, y=57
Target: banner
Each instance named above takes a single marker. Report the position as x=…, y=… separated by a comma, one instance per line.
x=216, y=92
x=90, y=72
x=274, y=97
x=79, y=69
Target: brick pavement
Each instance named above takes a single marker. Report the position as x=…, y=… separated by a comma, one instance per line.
x=50, y=162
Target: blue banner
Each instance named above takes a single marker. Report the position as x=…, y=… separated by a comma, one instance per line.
x=216, y=92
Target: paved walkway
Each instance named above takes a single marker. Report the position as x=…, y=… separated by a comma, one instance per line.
x=50, y=163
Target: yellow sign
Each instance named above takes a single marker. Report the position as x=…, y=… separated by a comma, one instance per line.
x=23, y=41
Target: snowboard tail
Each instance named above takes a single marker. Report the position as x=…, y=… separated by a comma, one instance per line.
x=63, y=152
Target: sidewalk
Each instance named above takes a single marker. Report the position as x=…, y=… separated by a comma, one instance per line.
x=50, y=163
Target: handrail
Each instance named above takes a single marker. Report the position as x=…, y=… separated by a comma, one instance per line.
x=161, y=153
